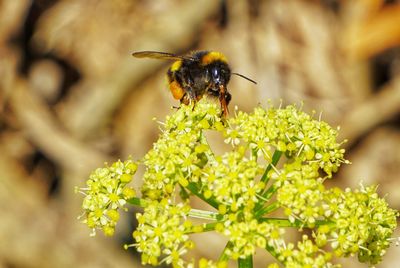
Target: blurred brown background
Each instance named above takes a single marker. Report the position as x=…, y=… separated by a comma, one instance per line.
x=72, y=97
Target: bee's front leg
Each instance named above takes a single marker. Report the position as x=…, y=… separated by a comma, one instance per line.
x=190, y=94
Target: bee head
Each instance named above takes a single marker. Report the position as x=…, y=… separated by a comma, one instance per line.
x=219, y=73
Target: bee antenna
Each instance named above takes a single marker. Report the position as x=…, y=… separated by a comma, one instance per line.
x=248, y=79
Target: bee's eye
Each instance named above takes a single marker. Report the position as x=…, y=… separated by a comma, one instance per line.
x=215, y=73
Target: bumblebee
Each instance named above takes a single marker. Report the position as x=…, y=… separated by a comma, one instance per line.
x=197, y=74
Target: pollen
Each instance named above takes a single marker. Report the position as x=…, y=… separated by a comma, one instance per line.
x=176, y=89
x=213, y=56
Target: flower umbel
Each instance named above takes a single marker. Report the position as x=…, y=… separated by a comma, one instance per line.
x=364, y=223
x=106, y=193
x=278, y=160
x=162, y=230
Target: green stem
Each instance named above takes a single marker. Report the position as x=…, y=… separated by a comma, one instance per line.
x=269, y=193
x=194, y=189
x=266, y=195
x=275, y=159
x=204, y=214
x=210, y=154
x=246, y=263
x=271, y=251
x=224, y=256
x=195, y=213
x=138, y=202
x=266, y=210
x=206, y=227
x=297, y=223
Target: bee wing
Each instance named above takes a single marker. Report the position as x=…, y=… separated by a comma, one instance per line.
x=159, y=55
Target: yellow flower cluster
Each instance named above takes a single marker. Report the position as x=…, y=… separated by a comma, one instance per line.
x=277, y=161
x=106, y=193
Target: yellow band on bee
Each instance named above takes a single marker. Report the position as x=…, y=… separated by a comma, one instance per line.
x=213, y=56
x=176, y=65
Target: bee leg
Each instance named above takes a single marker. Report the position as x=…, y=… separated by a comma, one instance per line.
x=191, y=97
x=224, y=99
x=194, y=103
x=175, y=107
x=187, y=99
x=224, y=104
